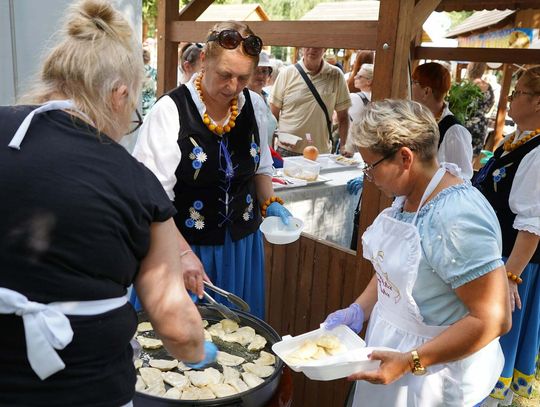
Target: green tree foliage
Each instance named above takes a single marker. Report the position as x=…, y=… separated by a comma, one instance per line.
x=463, y=99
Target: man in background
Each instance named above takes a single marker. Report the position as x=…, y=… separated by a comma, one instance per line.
x=297, y=110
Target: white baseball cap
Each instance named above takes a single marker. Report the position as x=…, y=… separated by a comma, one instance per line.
x=264, y=60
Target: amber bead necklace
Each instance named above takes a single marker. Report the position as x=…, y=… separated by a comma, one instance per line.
x=233, y=109
x=508, y=146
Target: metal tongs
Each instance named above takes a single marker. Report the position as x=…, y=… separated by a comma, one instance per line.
x=222, y=309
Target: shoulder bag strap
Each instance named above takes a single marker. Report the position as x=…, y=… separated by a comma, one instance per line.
x=317, y=97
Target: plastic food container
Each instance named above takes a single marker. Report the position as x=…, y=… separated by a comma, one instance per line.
x=302, y=168
x=276, y=232
x=354, y=359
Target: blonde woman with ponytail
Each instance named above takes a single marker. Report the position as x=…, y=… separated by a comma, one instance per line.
x=83, y=220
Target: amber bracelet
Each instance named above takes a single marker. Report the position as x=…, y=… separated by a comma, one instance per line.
x=268, y=202
x=516, y=279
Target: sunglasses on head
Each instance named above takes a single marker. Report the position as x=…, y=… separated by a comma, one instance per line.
x=231, y=39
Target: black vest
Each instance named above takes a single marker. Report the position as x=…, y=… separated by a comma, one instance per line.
x=445, y=124
x=495, y=180
x=215, y=190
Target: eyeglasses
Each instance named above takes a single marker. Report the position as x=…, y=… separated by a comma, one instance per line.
x=368, y=168
x=135, y=124
x=231, y=39
x=515, y=93
x=263, y=71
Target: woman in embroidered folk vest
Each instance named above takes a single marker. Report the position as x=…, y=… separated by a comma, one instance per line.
x=206, y=141
x=439, y=295
x=511, y=183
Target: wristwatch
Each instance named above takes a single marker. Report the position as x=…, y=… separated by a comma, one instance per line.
x=417, y=368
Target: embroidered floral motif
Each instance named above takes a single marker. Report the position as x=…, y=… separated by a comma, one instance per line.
x=197, y=157
x=248, y=212
x=498, y=175
x=195, y=219
x=254, y=151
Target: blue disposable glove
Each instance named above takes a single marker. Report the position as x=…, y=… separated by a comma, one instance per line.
x=354, y=185
x=210, y=353
x=353, y=317
x=276, y=209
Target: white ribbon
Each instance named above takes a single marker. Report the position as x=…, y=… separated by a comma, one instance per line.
x=46, y=328
x=51, y=105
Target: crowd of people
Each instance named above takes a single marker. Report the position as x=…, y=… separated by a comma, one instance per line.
x=456, y=290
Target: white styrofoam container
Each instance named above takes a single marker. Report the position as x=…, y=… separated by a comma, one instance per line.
x=276, y=232
x=354, y=359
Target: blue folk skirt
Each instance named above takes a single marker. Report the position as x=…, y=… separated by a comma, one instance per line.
x=237, y=267
x=521, y=344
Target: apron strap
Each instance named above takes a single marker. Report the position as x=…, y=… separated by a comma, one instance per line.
x=17, y=139
x=429, y=189
x=47, y=328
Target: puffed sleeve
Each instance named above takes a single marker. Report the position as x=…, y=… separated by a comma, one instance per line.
x=463, y=238
x=457, y=148
x=525, y=194
x=260, y=108
x=157, y=146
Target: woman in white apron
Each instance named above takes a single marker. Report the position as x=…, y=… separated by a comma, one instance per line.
x=83, y=220
x=439, y=295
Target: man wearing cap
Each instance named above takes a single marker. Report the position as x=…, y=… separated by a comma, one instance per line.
x=256, y=83
x=297, y=110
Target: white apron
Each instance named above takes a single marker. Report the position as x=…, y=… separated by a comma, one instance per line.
x=394, y=249
x=46, y=326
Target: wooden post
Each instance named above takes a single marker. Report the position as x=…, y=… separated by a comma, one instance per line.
x=167, y=57
x=501, y=109
x=390, y=80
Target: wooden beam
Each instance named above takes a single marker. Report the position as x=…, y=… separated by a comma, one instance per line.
x=194, y=9
x=167, y=57
x=422, y=11
x=291, y=33
x=501, y=108
x=506, y=55
x=478, y=5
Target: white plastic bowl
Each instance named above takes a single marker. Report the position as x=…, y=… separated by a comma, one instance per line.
x=276, y=232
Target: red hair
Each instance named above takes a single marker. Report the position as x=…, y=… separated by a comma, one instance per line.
x=435, y=76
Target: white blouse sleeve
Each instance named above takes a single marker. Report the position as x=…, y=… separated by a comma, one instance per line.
x=157, y=146
x=457, y=148
x=260, y=108
x=524, y=196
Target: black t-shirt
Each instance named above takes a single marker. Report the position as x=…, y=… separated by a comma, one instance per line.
x=76, y=214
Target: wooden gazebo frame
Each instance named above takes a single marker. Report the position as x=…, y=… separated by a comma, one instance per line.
x=310, y=278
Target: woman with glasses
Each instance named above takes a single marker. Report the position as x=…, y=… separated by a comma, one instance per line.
x=438, y=298
x=206, y=141
x=83, y=221
x=511, y=183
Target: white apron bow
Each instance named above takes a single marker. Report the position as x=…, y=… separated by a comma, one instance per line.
x=47, y=328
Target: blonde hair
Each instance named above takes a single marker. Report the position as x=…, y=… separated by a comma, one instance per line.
x=475, y=70
x=96, y=53
x=213, y=50
x=387, y=125
x=531, y=79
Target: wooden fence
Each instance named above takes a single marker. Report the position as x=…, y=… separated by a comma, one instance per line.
x=305, y=281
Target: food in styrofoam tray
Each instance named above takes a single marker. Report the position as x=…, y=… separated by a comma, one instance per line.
x=319, y=348
x=345, y=160
x=231, y=374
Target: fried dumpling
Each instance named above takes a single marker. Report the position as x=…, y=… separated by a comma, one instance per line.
x=328, y=341
x=144, y=327
x=152, y=378
x=251, y=380
x=229, y=326
x=173, y=393
x=206, y=393
x=229, y=374
x=336, y=351
x=149, y=343
x=226, y=359
x=320, y=354
x=306, y=350
x=175, y=379
x=238, y=384
x=163, y=364
x=243, y=336
x=190, y=393
x=138, y=363
x=257, y=343
x=207, y=335
x=222, y=389
x=182, y=367
x=139, y=384
x=216, y=330
x=204, y=378
x=258, y=370
x=265, y=359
